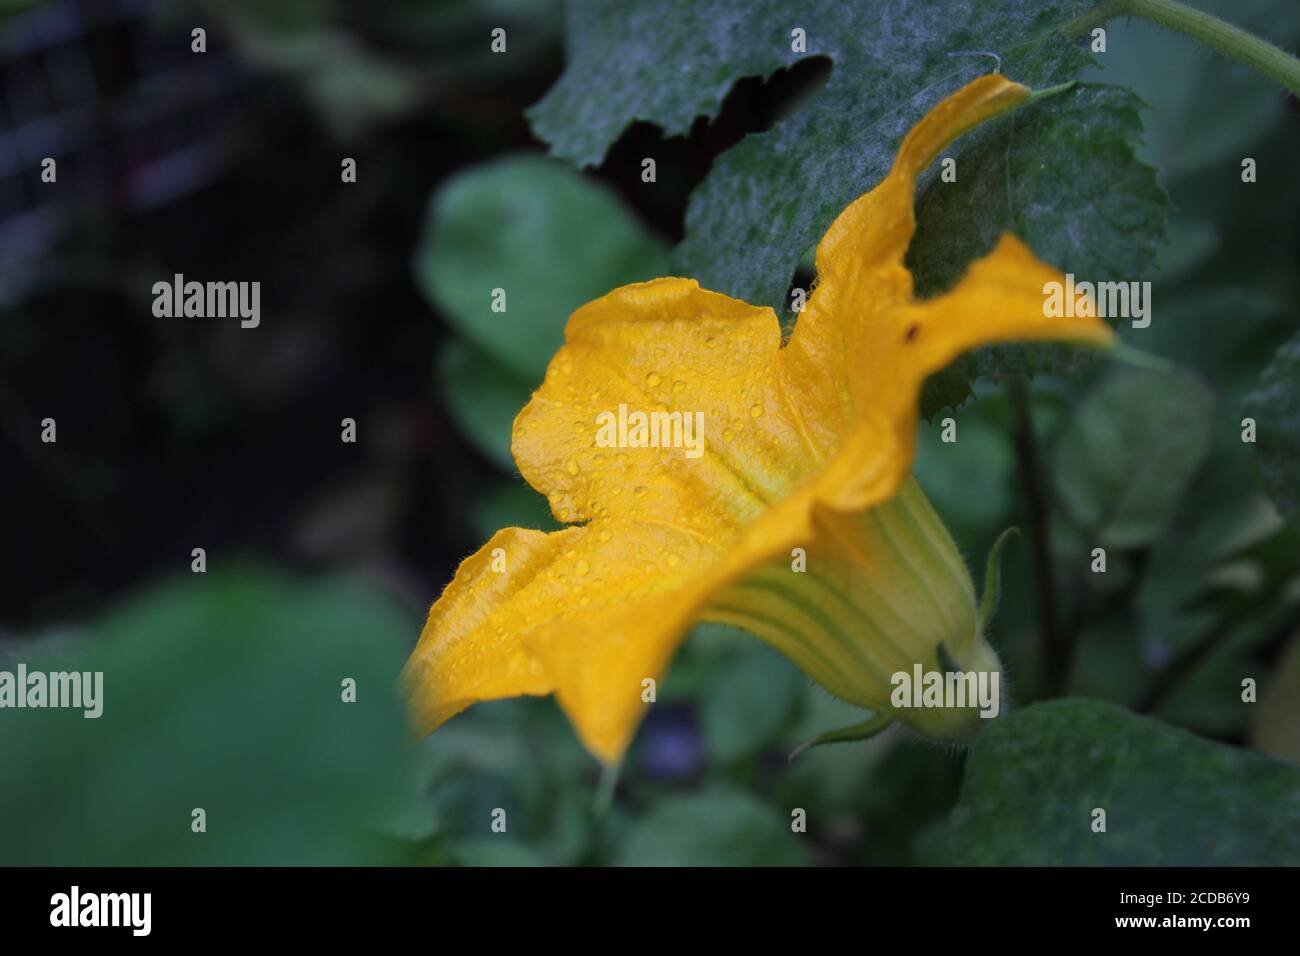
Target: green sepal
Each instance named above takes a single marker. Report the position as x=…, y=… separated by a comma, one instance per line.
x=992, y=581
x=863, y=731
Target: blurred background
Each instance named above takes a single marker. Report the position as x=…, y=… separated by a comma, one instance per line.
x=322, y=556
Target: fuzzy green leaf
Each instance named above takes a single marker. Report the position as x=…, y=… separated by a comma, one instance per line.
x=1035, y=779
x=1071, y=186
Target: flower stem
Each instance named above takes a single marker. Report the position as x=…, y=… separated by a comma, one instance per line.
x=1056, y=656
x=1275, y=63
x=604, y=796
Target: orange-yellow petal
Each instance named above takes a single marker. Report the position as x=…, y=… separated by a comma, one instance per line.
x=1000, y=299
x=670, y=348
x=588, y=612
x=469, y=650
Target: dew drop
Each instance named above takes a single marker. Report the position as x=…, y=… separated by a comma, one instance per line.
x=653, y=379
x=571, y=467
x=756, y=410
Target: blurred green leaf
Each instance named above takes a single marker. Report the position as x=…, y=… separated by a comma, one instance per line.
x=483, y=398
x=912, y=789
x=520, y=756
x=1109, y=662
x=969, y=480
x=703, y=660
x=222, y=692
x=1191, y=243
x=1275, y=406
x=1207, y=698
x=1226, y=334
x=454, y=34
x=1128, y=452
x=830, y=782
x=549, y=237
x=1208, y=589
x=12, y=7
x=285, y=18
x=750, y=704
x=1276, y=727
x=350, y=85
x=511, y=504
x=498, y=851
x=1034, y=777
x=710, y=828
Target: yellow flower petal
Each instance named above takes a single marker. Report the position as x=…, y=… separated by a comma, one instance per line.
x=470, y=650
x=662, y=528
x=672, y=347
x=800, y=442
x=863, y=347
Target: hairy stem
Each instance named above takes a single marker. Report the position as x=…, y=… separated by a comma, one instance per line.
x=1275, y=63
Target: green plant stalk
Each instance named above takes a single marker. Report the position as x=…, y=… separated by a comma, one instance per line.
x=1056, y=653
x=1275, y=63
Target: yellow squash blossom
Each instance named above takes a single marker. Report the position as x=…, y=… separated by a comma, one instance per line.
x=808, y=444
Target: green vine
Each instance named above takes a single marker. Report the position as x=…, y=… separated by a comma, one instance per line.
x=1272, y=61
